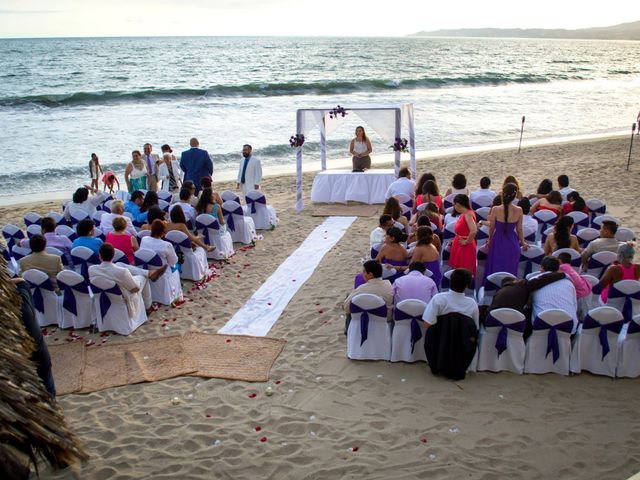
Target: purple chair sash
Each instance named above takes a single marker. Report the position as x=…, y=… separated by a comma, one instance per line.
x=154, y=261
x=593, y=263
x=253, y=201
x=38, y=299
x=633, y=328
x=103, y=297
x=552, y=338
x=205, y=230
x=416, y=331
x=615, y=327
x=186, y=243
x=229, y=217
x=69, y=299
x=364, y=318
x=627, y=308
x=489, y=286
x=501, y=341
x=84, y=263
x=528, y=267
x=13, y=238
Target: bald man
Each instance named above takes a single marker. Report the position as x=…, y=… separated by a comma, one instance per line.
x=196, y=163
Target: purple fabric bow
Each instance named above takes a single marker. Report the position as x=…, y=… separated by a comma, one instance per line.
x=38, y=299
x=416, y=331
x=186, y=243
x=593, y=263
x=627, y=308
x=552, y=339
x=229, y=217
x=633, y=328
x=154, y=261
x=364, y=318
x=528, y=267
x=84, y=263
x=252, y=201
x=69, y=299
x=201, y=227
x=13, y=238
x=104, y=300
x=614, y=327
x=501, y=341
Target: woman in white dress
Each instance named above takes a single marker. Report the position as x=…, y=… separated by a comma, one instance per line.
x=136, y=173
x=360, y=149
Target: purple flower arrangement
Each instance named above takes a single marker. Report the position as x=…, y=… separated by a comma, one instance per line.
x=296, y=140
x=338, y=111
x=400, y=145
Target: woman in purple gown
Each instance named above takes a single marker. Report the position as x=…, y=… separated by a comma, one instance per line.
x=505, y=235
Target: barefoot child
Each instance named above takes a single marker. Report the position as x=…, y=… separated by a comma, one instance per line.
x=109, y=179
x=94, y=171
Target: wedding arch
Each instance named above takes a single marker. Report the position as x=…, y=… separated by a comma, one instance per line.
x=388, y=121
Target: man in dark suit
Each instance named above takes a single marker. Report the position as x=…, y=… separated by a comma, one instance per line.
x=196, y=163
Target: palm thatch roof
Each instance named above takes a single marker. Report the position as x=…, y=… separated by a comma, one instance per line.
x=32, y=426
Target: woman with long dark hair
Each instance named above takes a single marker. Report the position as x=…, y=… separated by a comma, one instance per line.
x=505, y=234
x=561, y=237
x=392, y=207
x=208, y=204
x=360, y=149
x=426, y=253
x=150, y=200
x=463, y=249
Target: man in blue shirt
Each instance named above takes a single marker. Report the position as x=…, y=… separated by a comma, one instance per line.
x=85, y=230
x=133, y=207
x=196, y=163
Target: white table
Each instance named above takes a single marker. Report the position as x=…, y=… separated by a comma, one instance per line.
x=342, y=186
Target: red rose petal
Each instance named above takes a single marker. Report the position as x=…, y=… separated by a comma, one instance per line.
x=277, y=382
x=268, y=303
x=423, y=440
x=263, y=439
x=355, y=449
x=228, y=340
x=253, y=395
x=209, y=416
x=258, y=428
x=320, y=311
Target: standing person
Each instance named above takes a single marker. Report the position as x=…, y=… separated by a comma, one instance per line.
x=169, y=173
x=136, y=173
x=505, y=235
x=151, y=160
x=94, y=171
x=109, y=179
x=360, y=149
x=250, y=172
x=463, y=250
x=196, y=163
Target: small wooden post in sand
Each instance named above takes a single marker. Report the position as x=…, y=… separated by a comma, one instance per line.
x=633, y=129
x=521, y=131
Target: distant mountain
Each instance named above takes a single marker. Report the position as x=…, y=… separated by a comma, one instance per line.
x=624, y=31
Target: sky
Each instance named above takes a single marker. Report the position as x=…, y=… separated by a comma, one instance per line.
x=89, y=18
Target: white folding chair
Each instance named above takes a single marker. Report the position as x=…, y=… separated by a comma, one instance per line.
x=12, y=236
x=20, y=252
x=592, y=299
x=77, y=301
x=229, y=196
x=530, y=260
x=32, y=218
x=596, y=344
x=482, y=236
x=546, y=219
x=483, y=213
x=83, y=258
x=596, y=208
x=369, y=334
x=598, y=263
x=45, y=300
x=167, y=288
x=404, y=199
x=448, y=200
x=66, y=231
x=164, y=205
x=195, y=264
x=57, y=217
x=120, y=257
x=586, y=236
x=501, y=345
x=625, y=297
x=576, y=258
x=629, y=351
x=209, y=227
x=481, y=260
x=263, y=215
x=625, y=235
x=548, y=349
x=165, y=196
x=407, y=337
x=580, y=220
x=111, y=309
x=597, y=222
x=241, y=227
x=492, y=284
x=96, y=217
x=482, y=202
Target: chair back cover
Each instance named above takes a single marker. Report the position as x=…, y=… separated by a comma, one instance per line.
x=232, y=211
x=66, y=231
x=483, y=213
x=625, y=235
x=580, y=220
x=147, y=259
x=368, y=336
x=586, y=236
x=228, y=195
x=32, y=218
x=625, y=296
x=407, y=338
x=45, y=299
x=530, y=260
x=119, y=256
x=20, y=252
x=599, y=262
x=12, y=235
x=83, y=258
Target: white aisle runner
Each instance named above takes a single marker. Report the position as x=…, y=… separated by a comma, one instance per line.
x=263, y=309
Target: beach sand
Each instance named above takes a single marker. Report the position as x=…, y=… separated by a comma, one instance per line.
x=333, y=418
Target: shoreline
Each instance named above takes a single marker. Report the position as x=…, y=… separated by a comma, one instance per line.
x=343, y=162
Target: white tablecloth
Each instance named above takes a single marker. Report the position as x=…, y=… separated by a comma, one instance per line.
x=342, y=186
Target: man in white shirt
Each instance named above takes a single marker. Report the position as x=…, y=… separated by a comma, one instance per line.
x=529, y=224
x=185, y=203
x=377, y=235
x=250, y=171
x=564, y=188
x=117, y=210
x=403, y=185
x=453, y=301
x=483, y=196
x=132, y=281
x=414, y=285
x=559, y=295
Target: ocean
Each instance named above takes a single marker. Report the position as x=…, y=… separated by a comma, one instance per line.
x=62, y=99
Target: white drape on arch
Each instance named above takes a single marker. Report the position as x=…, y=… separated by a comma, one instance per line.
x=389, y=121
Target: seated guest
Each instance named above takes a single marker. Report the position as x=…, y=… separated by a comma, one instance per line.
x=529, y=224
x=581, y=284
x=60, y=242
x=415, y=285
x=429, y=193
x=432, y=212
x=134, y=205
x=385, y=222
x=606, y=243
x=516, y=182
x=623, y=269
x=544, y=189
x=392, y=207
x=559, y=295
x=453, y=301
x=393, y=254
x=133, y=281
x=189, y=185
x=483, y=195
x=206, y=182
x=121, y=239
x=424, y=221
x=561, y=237
x=515, y=293
x=403, y=185
x=185, y=203
x=374, y=284
x=426, y=253
x=154, y=213
x=150, y=199
x=552, y=202
x=179, y=223
x=564, y=188
x=207, y=204
x=117, y=211
x=458, y=185
x=82, y=205
x=86, y=230
x=575, y=203
x=41, y=260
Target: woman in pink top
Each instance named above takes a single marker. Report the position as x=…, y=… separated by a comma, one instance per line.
x=623, y=269
x=122, y=240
